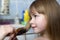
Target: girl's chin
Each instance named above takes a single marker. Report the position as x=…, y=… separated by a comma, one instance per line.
x=37, y=31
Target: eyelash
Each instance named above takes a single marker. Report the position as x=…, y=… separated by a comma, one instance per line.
x=35, y=15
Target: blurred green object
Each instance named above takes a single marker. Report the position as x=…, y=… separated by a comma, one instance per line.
x=23, y=23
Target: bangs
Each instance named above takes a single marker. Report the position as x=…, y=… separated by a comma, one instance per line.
x=40, y=7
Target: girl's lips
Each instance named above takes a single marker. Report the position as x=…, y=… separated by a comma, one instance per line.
x=34, y=27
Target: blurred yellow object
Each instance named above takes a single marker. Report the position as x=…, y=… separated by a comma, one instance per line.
x=26, y=16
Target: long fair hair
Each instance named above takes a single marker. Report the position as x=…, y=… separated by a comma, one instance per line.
x=52, y=10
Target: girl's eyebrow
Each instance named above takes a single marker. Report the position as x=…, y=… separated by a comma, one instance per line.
x=31, y=13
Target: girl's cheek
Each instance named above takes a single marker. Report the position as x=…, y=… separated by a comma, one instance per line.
x=41, y=22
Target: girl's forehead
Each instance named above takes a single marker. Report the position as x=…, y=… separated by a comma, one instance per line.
x=33, y=11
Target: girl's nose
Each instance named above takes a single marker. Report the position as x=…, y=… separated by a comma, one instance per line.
x=32, y=21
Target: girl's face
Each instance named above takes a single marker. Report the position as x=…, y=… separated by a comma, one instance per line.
x=38, y=21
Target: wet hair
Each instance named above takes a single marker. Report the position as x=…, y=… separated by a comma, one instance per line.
x=51, y=9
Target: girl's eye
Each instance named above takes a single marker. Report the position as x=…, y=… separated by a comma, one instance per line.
x=35, y=15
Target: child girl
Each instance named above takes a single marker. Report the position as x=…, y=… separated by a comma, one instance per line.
x=45, y=19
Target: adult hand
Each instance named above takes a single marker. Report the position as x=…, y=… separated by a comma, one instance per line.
x=4, y=30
